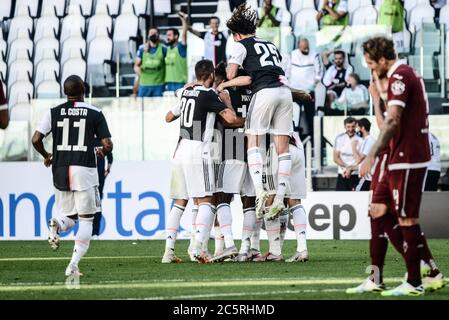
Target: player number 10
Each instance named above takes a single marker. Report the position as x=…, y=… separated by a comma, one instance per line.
x=65, y=125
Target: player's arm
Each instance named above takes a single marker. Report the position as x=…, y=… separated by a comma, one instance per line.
x=231, y=70
x=175, y=112
x=236, y=59
x=106, y=148
x=170, y=117
x=38, y=143
x=390, y=126
x=229, y=117
x=239, y=121
x=337, y=159
x=185, y=27
x=240, y=81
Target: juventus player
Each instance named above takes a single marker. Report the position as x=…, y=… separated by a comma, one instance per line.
x=74, y=126
x=405, y=129
x=192, y=166
x=270, y=110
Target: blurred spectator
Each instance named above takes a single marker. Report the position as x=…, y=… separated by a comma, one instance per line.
x=214, y=41
x=392, y=14
x=103, y=172
x=437, y=4
x=336, y=77
x=344, y=157
x=150, y=66
x=269, y=15
x=176, y=58
x=4, y=115
x=333, y=13
x=354, y=98
x=304, y=71
x=235, y=3
x=361, y=150
x=434, y=168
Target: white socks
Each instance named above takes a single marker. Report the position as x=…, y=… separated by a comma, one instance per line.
x=283, y=220
x=249, y=221
x=192, y=231
x=273, y=228
x=255, y=166
x=82, y=240
x=300, y=224
x=204, y=222
x=285, y=166
x=224, y=217
x=65, y=223
x=171, y=230
x=255, y=237
x=219, y=241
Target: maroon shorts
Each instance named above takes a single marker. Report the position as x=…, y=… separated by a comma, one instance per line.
x=401, y=191
x=379, y=170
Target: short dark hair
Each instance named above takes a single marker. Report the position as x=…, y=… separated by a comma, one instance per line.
x=243, y=20
x=349, y=120
x=364, y=123
x=214, y=17
x=74, y=86
x=220, y=71
x=175, y=31
x=203, y=69
x=379, y=47
x=340, y=52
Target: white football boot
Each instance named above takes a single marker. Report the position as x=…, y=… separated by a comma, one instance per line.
x=302, y=256
x=260, y=204
x=229, y=253
x=53, y=234
x=72, y=270
x=433, y=283
x=367, y=285
x=404, y=289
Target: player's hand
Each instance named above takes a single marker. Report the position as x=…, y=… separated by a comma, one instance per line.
x=220, y=88
x=48, y=160
x=365, y=167
x=100, y=152
x=182, y=16
x=106, y=173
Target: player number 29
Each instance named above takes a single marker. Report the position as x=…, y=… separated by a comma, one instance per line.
x=65, y=125
x=267, y=51
x=187, y=111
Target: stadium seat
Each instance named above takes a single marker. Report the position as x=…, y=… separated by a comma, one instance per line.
x=21, y=69
x=100, y=49
x=353, y=5
x=444, y=16
x=125, y=31
x=3, y=48
x=358, y=63
x=57, y=4
x=286, y=18
x=44, y=26
x=73, y=24
x=297, y=5
x=76, y=66
x=365, y=15
x=18, y=24
x=20, y=92
x=46, y=69
x=422, y=13
x=85, y=5
x=253, y=4
x=113, y=5
x=3, y=70
x=31, y=7
x=99, y=22
x=280, y=4
x=223, y=12
x=72, y=44
x=378, y=4
x=48, y=89
x=22, y=44
x=5, y=9
x=44, y=45
x=140, y=6
x=305, y=21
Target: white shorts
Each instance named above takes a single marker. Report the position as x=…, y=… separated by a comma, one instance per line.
x=296, y=188
x=192, y=171
x=270, y=111
x=70, y=203
x=248, y=185
x=231, y=175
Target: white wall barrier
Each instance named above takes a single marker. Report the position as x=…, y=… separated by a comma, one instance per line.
x=136, y=202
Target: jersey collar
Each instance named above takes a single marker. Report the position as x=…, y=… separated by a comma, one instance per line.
x=394, y=67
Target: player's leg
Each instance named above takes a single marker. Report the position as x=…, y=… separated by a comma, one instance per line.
x=191, y=249
x=171, y=230
x=66, y=218
x=219, y=238
x=300, y=226
x=283, y=221
x=249, y=221
x=204, y=222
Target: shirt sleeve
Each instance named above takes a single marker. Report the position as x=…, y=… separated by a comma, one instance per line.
x=101, y=127
x=214, y=103
x=238, y=54
x=203, y=34
x=367, y=147
x=328, y=77
x=182, y=50
x=398, y=90
x=343, y=6
x=337, y=143
x=140, y=52
x=44, y=126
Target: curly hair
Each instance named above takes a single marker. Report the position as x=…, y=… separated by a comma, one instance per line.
x=379, y=47
x=220, y=71
x=243, y=20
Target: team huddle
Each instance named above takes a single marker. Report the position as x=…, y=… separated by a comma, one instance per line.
x=237, y=139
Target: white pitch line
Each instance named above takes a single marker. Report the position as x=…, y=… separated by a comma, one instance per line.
x=68, y=258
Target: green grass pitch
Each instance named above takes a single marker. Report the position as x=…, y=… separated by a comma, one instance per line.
x=133, y=270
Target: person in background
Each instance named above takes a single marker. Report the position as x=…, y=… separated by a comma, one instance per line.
x=333, y=13
x=354, y=98
x=150, y=66
x=176, y=58
x=4, y=114
x=269, y=15
x=361, y=150
x=434, y=168
x=103, y=172
x=344, y=157
x=304, y=72
x=392, y=14
x=214, y=41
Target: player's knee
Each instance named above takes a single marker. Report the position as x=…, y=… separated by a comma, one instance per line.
x=377, y=210
x=293, y=202
x=181, y=202
x=86, y=217
x=407, y=222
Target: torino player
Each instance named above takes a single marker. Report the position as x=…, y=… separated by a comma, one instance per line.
x=405, y=129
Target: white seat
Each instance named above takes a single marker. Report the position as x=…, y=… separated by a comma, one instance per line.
x=113, y=5
x=32, y=5
x=421, y=14
x=48, y=10
x=253, y=4
x=72, y=24
x=5, y=9
x=98, y=23
x=286, y=18
x=19, y=45
x=72, y=44
x=46, y=69
x=20, y=70
x=444, y=16
x=58, y=4
x=73, y=66
x=126, y=26
x=297, y=5
x=305, y=21
x=223, y=13
x=20, y=92
x=378, y=4
x=280, y=4
x=353, y=5
x=100, y=49
x=85, y=5
x=48, y=89
x=365, y=15
x=163, y=7
x=46, y=48
x=44, y=25
x=3, y=70
x=3, y=48
x=19, y=23
x=140, y=6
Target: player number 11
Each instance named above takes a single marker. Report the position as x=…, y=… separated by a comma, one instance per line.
x=65, y=125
